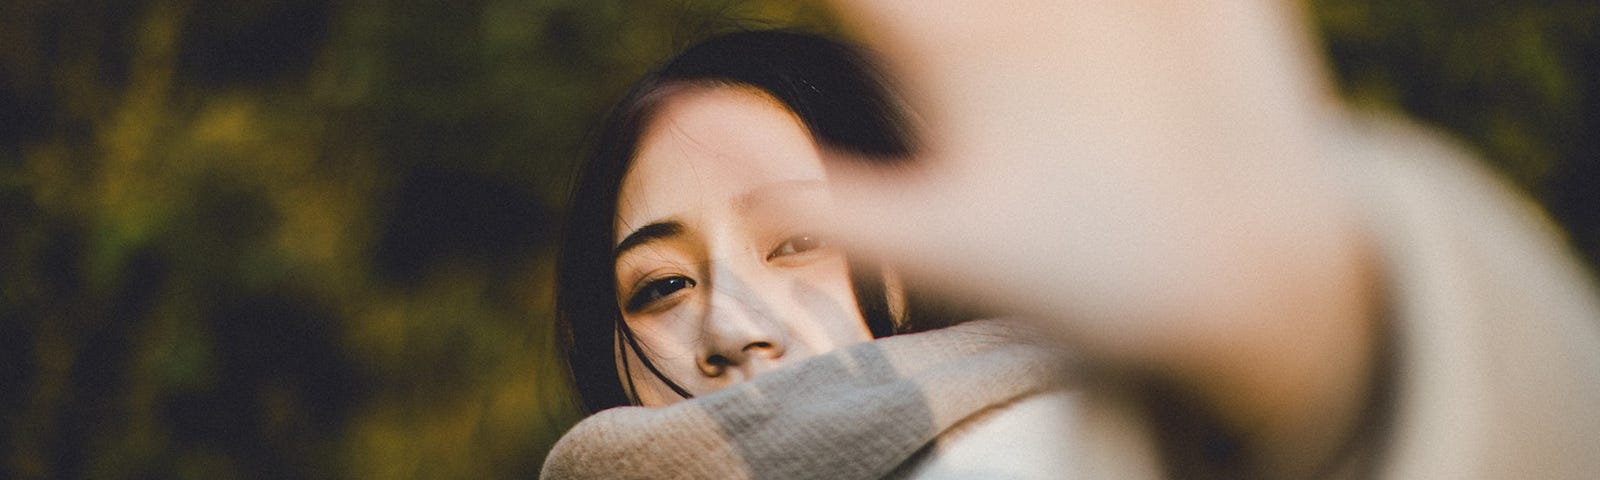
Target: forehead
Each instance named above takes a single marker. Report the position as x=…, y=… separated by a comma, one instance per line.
x=707, y=145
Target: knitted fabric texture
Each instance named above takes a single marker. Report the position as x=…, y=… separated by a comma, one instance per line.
x=857, y=413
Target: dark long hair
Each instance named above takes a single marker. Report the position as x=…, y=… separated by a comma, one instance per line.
x=833, y=89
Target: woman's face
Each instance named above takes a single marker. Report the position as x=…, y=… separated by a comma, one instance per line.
x=714, y=276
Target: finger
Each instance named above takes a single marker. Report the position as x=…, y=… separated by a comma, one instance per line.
x=876, y=207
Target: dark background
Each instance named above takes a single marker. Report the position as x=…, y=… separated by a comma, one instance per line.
x=301, y=239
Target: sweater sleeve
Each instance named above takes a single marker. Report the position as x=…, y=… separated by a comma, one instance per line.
x=855, y=413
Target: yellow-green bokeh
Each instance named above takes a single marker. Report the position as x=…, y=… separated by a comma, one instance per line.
x=301, y=239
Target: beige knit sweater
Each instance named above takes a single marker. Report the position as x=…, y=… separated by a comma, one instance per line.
x=858, y=413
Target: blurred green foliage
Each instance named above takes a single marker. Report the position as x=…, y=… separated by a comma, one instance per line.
x=1519, y=81
x=295, y=239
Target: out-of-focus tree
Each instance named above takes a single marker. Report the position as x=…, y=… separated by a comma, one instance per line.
x=302, y=239
x=298, y=239
x=1516, y=80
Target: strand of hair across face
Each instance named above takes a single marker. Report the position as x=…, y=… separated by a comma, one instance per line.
x=627, y=335
x=627, y=370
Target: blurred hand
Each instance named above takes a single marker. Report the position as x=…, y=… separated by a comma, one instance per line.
x=1146, y=176
x=1100, y=163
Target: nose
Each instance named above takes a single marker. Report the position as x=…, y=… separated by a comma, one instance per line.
x=741, y=335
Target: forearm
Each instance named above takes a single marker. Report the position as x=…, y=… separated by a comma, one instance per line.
x=856, y=413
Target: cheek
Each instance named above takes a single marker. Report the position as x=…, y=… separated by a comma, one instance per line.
x=668, y=338
x=669, y=341
x=649, y=389
x=827, y=304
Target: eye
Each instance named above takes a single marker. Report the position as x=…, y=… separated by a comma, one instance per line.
x=656, y=290
x=796, y=245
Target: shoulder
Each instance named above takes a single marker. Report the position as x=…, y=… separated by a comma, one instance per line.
x=639, y=442
x=1496, y=322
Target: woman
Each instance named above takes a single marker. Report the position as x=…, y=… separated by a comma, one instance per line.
x=686, y=272
x=1291, y=290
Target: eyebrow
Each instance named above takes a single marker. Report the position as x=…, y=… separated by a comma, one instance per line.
x=648, y=233
x=745, y=201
